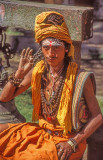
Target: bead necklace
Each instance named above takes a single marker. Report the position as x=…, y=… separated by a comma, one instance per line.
x=50, y=107
x=52, y=100
x=58, y=73
x=54, y=79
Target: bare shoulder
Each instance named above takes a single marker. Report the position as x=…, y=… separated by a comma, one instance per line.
x=88, y=87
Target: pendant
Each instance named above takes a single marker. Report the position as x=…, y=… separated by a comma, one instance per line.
x=49, y=118
x=53, y=93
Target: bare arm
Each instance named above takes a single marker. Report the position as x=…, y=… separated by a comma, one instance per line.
x=24, y=72
x=96, y=116
x=10, y=91
x=95, y=121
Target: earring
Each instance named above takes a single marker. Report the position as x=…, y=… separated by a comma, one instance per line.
x=66, y=50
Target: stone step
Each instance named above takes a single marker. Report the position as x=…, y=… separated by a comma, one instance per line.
x=19, y=14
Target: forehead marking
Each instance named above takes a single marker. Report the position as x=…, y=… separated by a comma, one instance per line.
x=52, y=43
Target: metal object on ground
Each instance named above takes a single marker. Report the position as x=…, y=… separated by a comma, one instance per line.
x=5, y=47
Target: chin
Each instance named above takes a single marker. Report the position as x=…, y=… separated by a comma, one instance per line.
x=52, y=63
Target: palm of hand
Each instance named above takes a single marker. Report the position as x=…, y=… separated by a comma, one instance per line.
x=26, y=60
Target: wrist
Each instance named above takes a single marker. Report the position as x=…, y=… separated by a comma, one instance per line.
x=14, y=80
x=73, y=144
x=19, y=73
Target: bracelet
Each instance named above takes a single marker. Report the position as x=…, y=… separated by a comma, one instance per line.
x=14, y=81
x=73, y=144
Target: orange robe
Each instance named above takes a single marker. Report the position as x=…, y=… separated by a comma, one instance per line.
x=28, y=141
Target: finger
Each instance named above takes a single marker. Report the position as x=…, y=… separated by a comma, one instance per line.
x=27, y=51
x=64, y=156
x=30, y=53
x=60, y=152
x=68, y=156
x=23, y=53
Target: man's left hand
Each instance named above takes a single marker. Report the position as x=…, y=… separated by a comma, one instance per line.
x=64, y=150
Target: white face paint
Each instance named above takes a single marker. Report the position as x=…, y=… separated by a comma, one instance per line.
x=52, y=42
x=53, y=51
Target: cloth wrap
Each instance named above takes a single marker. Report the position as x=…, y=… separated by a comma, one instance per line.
x=52, y=24
x=28, y=141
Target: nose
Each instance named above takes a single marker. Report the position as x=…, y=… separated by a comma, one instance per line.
x=51, y=51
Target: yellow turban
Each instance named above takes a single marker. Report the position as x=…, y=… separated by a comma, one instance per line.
x=52, y=24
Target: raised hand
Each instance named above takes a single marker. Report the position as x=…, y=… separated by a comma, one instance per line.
x=26, y=62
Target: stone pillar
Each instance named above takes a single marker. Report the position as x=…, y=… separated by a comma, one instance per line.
x=77, y=52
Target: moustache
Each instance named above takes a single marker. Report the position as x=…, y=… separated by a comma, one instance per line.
x=51, y=57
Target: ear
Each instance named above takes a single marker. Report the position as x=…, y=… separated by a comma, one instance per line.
x=66, y=50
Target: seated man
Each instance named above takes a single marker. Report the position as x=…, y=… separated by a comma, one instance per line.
x=66, y=111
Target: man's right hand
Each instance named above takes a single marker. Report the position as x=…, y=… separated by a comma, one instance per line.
x=25, y=64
